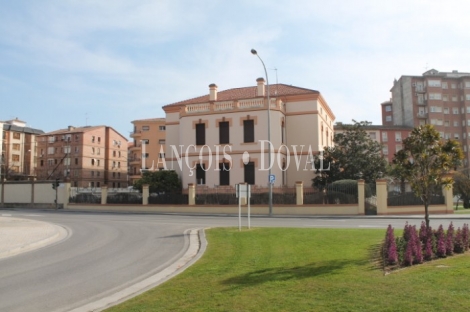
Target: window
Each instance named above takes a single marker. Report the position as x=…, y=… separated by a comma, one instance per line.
x=398, y=136
x=248, y=131
x=200, y=134
x=444, y=85
x=200, y=174
x=455, y=111
x=467, y=97
x=162, y=141
x=50, y=150
x=467, y=84
x=446, y=123
x=385, y=150
x=97, y=184
x=16, y=147
x=434, y=83
x=435, y=109
x=42, y=163
x=146, y=155
x=372, y=135
x=446, y=111
x=388, y=108
x=398, y=148
x=16, y=135
x=445, y=98
x=454, y=98
x=51, y=139
x=114, y=174
x=92, y=161
x=98, y=162
x=453, y=85
x=92, y=173
x=93, y=139
x=224, y=137
x=76, y=161
x=114, y=153
x=250, y=173
x=420, y=99
x=161, y=128
x=92, y=151
x=384, y=137
x=456, y=136
x=145, y=128
x=97, y=173
x=441, y=135
x=15, y=157
x=99, y=139
x=388, y=118
x=161, y=155
x=456, y=123
x=224, y=174
x=435, y=96
x=77, y=149
x=145, y=141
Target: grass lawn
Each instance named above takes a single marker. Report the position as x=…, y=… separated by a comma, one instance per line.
x=283, y=269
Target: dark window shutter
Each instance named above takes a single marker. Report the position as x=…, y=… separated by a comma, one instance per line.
x=200, y=174
x=250, y=173
x=224, y=137
x=224, y=174
x=248, y=131
x=200, y=134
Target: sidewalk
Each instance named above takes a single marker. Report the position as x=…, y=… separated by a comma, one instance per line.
x=22, y=235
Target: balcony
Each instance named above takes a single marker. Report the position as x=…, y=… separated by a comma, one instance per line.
x=133, y=160
x=234, y=106
x=136, y=133
x=422, y=115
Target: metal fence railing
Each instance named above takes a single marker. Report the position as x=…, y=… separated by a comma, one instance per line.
x=410, y=199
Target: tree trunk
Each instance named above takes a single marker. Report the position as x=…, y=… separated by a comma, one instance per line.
x=426, y=214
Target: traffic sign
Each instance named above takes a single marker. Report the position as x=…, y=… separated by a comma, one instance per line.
x=272, y=178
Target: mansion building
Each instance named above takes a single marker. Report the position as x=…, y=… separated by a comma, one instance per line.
x=221, y=138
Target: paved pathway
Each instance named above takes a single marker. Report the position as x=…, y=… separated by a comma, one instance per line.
x=22, y=235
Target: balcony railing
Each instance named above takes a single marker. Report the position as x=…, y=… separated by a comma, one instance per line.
x=232, y=106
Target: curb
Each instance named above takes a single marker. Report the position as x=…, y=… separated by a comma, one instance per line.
x=59, y=234
x=196, y=248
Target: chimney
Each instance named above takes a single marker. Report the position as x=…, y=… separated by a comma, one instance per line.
x=71, y=128
x=212, y=92
x=260, y=82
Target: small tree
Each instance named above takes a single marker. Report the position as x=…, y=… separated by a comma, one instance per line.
x=355, y=155
x=164, y=181
x=424, y=161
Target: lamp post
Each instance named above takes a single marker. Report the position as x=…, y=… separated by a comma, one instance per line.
x=270, y=201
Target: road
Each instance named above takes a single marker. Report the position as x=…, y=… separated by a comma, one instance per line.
x=107, y=252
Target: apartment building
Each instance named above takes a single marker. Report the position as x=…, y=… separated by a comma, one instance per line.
x=148, y=146
x=91, y=156
x=221, y=138
x=18, y=150
x=390, y=137
x=438, y=98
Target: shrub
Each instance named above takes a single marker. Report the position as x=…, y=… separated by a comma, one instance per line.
x=458, y=242
x=441, y=244
x=465, y=236
x=390, y=247
x=450, y=240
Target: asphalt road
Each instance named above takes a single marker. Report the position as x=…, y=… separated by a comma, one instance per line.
x=107, y=252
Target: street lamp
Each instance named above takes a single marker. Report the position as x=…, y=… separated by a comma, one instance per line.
x=270, y=201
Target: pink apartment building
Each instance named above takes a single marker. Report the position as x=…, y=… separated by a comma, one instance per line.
x=91, y=156
x=438, y=98
x=221, y=138
x=148, y=146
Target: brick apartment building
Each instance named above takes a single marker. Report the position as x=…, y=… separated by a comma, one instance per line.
x=389, y=136
x=147, y=148
x=216, y=139
x=91, y=156
x=18, y=150
x=438, y=98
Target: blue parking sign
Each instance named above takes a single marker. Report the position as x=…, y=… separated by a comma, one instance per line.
x=272, y=178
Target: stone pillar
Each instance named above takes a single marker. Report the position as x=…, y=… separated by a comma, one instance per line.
x=381, y=196
x=361, y=200
x=66, y=194
x=104, y=195
x=145, y=194
x=448, y=193
x=299, y=193
x=191, y=194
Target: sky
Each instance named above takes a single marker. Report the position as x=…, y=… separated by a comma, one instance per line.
x=80, y=62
